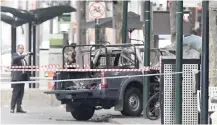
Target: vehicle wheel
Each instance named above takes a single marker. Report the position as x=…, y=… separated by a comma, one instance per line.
x=132, y=102
x=83, y=113
x=153, y=107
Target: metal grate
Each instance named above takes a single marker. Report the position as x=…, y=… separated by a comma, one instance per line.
x=189, y=104
x=169, y=96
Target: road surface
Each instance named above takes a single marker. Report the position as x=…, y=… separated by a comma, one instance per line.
x=51, y=115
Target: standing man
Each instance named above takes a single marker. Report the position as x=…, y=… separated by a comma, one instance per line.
x=18, y=89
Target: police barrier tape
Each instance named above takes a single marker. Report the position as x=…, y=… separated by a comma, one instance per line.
x=90, y=79
x=51, y=66
x=46, y=66
x=88, y=70
x=31, y=78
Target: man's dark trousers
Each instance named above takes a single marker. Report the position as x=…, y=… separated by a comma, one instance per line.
x=18, y=92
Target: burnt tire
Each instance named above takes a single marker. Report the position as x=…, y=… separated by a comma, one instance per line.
x=153, y=107
x=83, y=113
x=132, y=102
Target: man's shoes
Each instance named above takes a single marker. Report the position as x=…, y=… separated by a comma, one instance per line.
x=12, y=111
x=21, y=111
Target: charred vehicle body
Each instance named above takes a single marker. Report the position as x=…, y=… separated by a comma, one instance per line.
x=88, y=91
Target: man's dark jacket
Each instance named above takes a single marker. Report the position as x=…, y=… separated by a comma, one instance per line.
x=17, y=61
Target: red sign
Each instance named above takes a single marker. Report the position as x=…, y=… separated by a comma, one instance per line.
x=96, y=9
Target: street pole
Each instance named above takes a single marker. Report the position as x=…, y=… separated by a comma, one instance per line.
x=147, y=36
x=205, y=64
x=13, y=41
x=34, y=51
x=30, y=48
x=30, y=42
x=97, y=31
x=26, y=31
x=179, y=61
x=124, y=22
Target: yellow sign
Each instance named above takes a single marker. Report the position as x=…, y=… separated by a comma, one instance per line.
x=75, y=26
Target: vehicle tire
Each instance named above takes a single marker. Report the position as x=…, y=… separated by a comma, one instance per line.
x=153, y=107
x=83, y=113
x=132, y=102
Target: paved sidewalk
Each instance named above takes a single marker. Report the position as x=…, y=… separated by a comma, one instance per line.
x=33, y=97
x=130, y=120
x=58, y=115
x=50, y=115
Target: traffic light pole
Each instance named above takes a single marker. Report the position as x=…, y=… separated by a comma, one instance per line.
x=147, y=35
x=205, y=64
x=179, y=61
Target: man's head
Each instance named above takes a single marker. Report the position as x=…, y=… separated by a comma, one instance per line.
x=20, y=48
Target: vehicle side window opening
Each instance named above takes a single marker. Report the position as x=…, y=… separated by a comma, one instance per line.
x=96, y=55
x=85, y=58
x=128, y=60
x=101, y=62
x=70, y=55
x=98, y=59
x=140, y=61
x=116, y=58
x=116, y=61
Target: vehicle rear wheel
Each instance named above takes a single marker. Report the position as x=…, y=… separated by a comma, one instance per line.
x=83, y=112
x=132, y=102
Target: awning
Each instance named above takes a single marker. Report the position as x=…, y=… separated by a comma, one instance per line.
x=11, y=20
x=44, y=14
x=37, y=16
x=22, y=14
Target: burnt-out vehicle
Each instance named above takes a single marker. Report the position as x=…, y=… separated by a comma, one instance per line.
x=87, y=91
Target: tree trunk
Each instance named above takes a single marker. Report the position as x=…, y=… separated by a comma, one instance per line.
x=81, y=32
x=83, y=21
x=118, y=17
x=173, y=8
x=212, y=47
x=103, y=30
